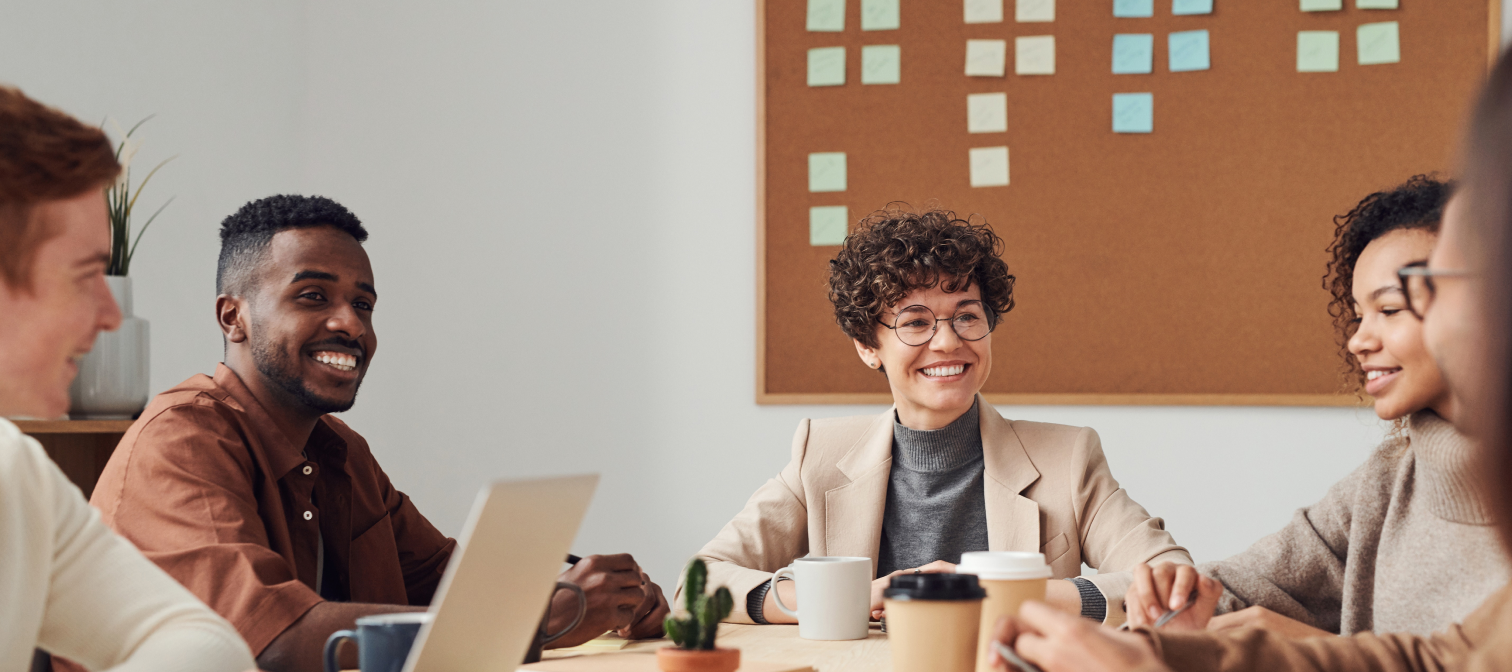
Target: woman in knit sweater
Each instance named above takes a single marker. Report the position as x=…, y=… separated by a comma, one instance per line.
x=1402, y=544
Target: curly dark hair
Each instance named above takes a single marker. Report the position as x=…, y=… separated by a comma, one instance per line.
x=895, y=250
x=245, y=235
x=1417, y=204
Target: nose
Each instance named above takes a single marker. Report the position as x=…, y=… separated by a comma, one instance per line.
x=945, y=338
x=108, y=315
x=1364, y=340
x=346, y=322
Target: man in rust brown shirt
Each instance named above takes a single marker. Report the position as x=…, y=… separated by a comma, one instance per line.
x=247, y=491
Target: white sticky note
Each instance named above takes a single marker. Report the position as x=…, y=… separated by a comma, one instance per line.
x=879, y=15
x=1318, y=51
x=881, y=64
x=984, y=11
x=827, y=172
x=989, y=166
x=1034, y=55
x=1376, y=4
x=826, y=16
x=986, y=58
x=826, y=66
x=1034, y=11
x=987, y=113
x=828, y=225
x=1322, y=5
x=1378, y=43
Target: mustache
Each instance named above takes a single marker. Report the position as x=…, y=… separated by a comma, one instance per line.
x=354, y=345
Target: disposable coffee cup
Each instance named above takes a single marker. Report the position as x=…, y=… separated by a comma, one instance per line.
x=1010, y=580
x=933, y=621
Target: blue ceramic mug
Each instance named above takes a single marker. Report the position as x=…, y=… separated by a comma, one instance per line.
x=383, y=641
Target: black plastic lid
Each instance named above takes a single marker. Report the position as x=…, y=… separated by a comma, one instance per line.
x=934, y=587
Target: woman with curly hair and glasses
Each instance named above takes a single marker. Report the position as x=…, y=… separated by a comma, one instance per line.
x=1403, y=544
x=941, y=472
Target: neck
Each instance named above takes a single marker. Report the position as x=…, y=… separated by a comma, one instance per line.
x=1445, y=408
x=294, y=419
x=918, y=417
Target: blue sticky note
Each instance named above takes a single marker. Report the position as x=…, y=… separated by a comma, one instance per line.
x=1133, y=113
x=1134, y=9
x=1133, y=54
x=828, y=225
x=1188, y=7
x=1188, y=50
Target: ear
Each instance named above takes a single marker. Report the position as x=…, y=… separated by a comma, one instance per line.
x=868, y=354
x=231, y=315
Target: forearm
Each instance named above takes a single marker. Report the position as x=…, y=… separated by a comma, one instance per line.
x=187, y=646
x=299, y=648
x=769, y=609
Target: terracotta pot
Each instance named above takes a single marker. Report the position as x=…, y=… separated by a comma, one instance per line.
x=674, y=659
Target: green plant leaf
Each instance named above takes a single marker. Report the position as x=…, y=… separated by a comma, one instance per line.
x=139, y=124
x=143, y=185
x=130, y=254
x=674, y=628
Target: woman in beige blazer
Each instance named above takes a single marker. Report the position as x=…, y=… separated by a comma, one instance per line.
x=941, y=472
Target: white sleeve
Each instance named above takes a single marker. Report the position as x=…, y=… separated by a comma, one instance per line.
x=108, y=606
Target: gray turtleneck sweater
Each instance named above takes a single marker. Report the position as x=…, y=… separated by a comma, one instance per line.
x=936, y=509
x=1403, y=544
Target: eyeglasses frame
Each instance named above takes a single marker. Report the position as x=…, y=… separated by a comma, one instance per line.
x=991, y=324
x=1420, y=269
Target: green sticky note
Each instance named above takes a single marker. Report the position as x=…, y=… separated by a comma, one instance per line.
x=879, y=15
x=826, y=16
x=1133, y=113
x=827, y=171
x=1376, y=4
x=1322, y=5
x=1318, y=51
x=826, y=66
x=828, y=225
x=881, y=63
x=1378, y=43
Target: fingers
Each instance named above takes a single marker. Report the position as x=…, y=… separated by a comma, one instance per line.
x=1006, y=631
x=937, y=567
x=1227, y=622
x=1141, y=602
x=1165, y=578
x=1038, y=617
x=1181, y=588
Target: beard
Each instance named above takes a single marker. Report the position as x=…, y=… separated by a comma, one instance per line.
x=274, y=364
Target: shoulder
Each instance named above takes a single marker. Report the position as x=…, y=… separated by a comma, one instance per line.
x=832, y=435
x=356, y=445
x=1048, y=443
x=22, y=460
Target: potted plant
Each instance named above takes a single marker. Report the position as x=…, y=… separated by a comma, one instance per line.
x=112, y=381
x=694, y=634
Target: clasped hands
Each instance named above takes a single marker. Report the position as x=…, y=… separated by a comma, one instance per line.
x=621, y=597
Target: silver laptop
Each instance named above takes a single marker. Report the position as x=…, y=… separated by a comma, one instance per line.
x=496, y=588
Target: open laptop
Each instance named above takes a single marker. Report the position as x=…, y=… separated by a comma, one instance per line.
x=496, y=588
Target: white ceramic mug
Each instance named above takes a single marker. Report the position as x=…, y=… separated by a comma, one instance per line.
x=834, y=596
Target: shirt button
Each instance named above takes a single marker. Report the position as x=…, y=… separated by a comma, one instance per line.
x=309, y=515
x=309, y=470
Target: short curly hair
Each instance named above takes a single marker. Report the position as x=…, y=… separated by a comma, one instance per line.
x=1417, y=204
x=895, y=250
x=245, y=235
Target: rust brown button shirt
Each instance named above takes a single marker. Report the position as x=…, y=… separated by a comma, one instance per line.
x=213, y=492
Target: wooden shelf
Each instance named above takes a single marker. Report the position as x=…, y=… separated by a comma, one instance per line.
x=35, y=427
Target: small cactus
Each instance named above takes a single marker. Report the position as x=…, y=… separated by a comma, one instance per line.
x=696, y=632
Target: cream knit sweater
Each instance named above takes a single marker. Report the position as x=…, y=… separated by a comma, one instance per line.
x=1400, y=545
x=72, y=587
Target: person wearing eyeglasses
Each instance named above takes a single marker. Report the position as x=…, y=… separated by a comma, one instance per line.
x=940, y=473
x=1402, y=544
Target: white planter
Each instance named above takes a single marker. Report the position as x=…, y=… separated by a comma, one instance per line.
x=112, y=382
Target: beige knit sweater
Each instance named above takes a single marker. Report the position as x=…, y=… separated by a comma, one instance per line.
x=1400, y=545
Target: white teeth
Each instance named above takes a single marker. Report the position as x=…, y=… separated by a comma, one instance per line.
x=1372, y=375
x=336, y=361
x=943, y=371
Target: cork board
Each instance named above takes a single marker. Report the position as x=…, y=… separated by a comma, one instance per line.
x=1182, y=266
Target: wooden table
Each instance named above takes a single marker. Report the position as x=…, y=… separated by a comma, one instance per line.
x=757, y=644
x=80, y=447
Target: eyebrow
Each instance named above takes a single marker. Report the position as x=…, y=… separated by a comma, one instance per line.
x=1379, y=292
x=101, y=258
x=322, y=275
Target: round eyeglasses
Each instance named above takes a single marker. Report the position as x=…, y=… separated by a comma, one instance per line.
x=916, y=325
x=1418, y=286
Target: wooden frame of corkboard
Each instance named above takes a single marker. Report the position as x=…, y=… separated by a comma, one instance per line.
x=1199, y=248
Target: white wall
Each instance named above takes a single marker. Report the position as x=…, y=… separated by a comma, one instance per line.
x=561, y=197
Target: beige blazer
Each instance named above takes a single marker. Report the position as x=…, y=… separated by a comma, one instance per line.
x=1048, y=489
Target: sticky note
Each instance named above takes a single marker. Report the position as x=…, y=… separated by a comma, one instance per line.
x=1376, y=4
x=1188, y=50
x=827, y=172
x=1322, y=5
x=1378, y=43
x=1189, y=7
x=984, y=11
x=987, y=113
x=1318, y=51
x=826, y=16
x=828, y=225
x=1034, y=11
x=1133, y=113
x=881, y=63
x=989, y=166
x=986, y=58
x=1034, y=55
x=1133, y=9
x=879, y=15
x=826, y=66
x=1133, y=53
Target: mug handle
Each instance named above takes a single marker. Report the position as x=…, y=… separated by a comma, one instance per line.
x=582, y=611
x=330, y=648
x=776, y=596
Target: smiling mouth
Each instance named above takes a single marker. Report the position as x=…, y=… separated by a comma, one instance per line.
x=1373, y=375
x=336, y=360
x=944, y=371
